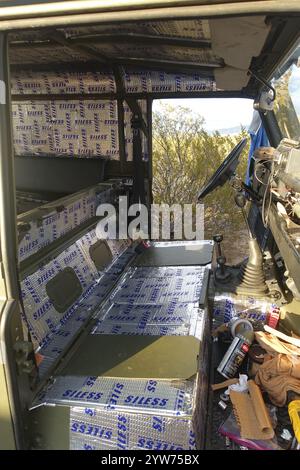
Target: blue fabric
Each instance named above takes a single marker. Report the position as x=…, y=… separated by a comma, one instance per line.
x=258, y=139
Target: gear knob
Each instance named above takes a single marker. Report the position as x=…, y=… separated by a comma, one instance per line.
x=218, y=238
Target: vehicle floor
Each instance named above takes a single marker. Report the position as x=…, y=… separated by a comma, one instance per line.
x=217, y=416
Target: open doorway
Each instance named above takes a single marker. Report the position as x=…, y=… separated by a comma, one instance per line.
x=191, y=138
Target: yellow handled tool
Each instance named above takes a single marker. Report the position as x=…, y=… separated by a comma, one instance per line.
x=294, y=413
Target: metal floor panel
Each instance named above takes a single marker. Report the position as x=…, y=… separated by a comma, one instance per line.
x=187, y=253
x=135, y=356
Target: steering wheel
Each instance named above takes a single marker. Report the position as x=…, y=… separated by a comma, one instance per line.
x=225, y=170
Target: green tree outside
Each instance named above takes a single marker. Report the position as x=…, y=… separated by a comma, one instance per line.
x=184, y=158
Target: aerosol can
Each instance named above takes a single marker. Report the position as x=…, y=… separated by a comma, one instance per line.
x=234, y=357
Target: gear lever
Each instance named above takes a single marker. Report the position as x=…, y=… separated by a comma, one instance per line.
x=251, y=276
x=221, y=273
x=218, y=239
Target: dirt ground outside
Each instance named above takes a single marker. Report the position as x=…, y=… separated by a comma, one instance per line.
x=235, y=246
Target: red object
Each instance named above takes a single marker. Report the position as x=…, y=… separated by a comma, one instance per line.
x=273, y=317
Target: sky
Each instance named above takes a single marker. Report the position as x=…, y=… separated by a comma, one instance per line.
x=219, y=113
x=294, y=86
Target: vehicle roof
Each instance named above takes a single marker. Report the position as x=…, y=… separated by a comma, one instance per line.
x=225, y=51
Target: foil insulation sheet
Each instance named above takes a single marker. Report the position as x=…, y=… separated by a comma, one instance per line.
x=50, y=330
x=112, y=413
x=162, y=82
x=56, y=83
x=66, y=128
x=227, y=306
x=86, y=128
x=187, y=28
x=160, y=301
x=158, y=289
x=119, y=414
x=174, y=319
x=73, y=128
x=168, y=271
x=93, y=429
x=171, y=398
x=54, y=220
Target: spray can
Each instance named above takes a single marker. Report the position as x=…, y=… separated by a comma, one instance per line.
x=234, y=357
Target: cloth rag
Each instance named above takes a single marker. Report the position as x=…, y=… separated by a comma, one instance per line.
x=279, y=374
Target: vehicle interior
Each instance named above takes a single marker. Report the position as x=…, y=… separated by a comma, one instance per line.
x=107, y=343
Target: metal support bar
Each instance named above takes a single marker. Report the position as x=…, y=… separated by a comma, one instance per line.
x=149, y=167
x=118, y=74
x=10, y=324
x=271, y=127
x=138, y=189
x=137, y=124
x=136, y=111
x=175, y=67
x=148, y=39
x=149, y=142
x=80, y=13
x=144, y=62
x=121, y=131
x=86, y=51
x=8, y=209
x=170, y=64
x=16, y=98
x=63, y=97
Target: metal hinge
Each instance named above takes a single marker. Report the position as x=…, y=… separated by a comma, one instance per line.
x=23, y=350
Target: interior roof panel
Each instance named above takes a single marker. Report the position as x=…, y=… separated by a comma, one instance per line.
x=193, y=29
x=34, y=55
x=39, y=47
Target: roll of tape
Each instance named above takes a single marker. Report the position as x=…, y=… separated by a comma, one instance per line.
x=237, y=325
